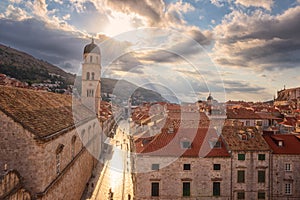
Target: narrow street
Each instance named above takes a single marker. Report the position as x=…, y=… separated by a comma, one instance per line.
x=115, y=180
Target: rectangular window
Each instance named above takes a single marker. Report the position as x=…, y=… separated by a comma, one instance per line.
x=186, y=166
x=186, y=189
x=241, y=195
x=288, y=188
x=216, y=189
x=261, y=195
x=261, y=157
x=261, y=176
x=241, y=156
x=155, y=167
x=247, y=123
x=155, y=189
x=185, y=144
x=218, y=144
x=241, y=176
x=287, y=167
x=259, y=123
x=217, y=166
x=90, y=93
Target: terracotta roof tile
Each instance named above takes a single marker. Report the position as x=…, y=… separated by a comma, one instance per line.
x=42, y=113
x=234, y=136
x=290, y=145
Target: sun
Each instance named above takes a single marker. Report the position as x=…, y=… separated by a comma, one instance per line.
x=118, y=23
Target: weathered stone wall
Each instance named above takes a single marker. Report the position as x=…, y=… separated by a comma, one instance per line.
x=280, y=177
x=72, y=184
x=170, y=178
x=251, y=165
x=11, y=187
x=36, y=160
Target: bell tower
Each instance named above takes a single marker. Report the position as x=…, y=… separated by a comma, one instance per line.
x=91, y=77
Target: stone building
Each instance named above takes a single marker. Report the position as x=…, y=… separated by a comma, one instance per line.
x=250, y=161
x=47, y=143
x=11, y=186
x=285, y=165
x=186, y=159
x=52, y=140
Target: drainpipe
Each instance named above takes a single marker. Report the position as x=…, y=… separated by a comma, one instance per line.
x=270, y=174
x=231, y=188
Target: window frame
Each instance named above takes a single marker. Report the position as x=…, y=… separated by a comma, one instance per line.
x=216, y=189
x=217, y=168
x=241, y=195
x=261, y=176
x=186, y=186
x=186, y=167
x=241, y=156
x=261, y=157
x=261, y=195
x=241, y=176
x=155, y=166
x=154, y=185
x=58, y=163
x=183, y=144
x=289, y=168
x=288, y=189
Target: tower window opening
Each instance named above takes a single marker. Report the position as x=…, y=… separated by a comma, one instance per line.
x=91, y=58
x=88, y=76
x=93, y=76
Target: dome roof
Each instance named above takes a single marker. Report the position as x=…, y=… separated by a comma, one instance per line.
x=91, y=48
x=210, y=98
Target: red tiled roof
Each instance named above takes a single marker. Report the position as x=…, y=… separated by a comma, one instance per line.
x=291, y=143
x=233, y=138
x=169, y=144
x=42, y=113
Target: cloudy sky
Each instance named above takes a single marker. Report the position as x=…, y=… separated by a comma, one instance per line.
x=236, y=49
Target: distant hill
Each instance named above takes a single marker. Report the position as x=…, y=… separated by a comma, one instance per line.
x=126, y=88
x=26, y=68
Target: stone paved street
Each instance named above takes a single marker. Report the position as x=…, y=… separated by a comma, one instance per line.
x=115, y=179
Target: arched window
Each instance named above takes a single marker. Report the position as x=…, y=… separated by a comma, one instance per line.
x=73, y=146
x=88, y=76
x=59, y=150
x=97, y=59
x=93, y=76
x=91, y=59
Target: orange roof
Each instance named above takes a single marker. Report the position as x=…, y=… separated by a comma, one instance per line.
x=291, y=143
x=42, y=113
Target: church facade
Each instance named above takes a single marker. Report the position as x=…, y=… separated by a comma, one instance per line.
x=51, y=145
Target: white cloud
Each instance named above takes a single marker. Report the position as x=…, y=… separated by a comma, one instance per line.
x=15, y=1
x=218, y=3
x=15, y=13
x=259, y=40
x=266, y=4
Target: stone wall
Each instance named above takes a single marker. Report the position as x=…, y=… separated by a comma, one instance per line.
x=251, y=165
x=280, y=176
x=37, y=161
x=170, y=178
x=11, y=186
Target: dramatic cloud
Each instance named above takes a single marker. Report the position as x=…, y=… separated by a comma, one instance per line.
x=35, y=38
x=259, y=40
x=152, y=10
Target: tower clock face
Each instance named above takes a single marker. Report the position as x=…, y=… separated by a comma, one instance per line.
x=90, y=84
